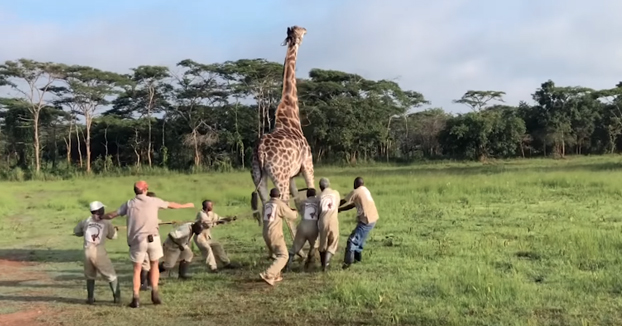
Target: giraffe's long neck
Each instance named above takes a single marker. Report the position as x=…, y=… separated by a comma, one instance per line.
x=286, y=115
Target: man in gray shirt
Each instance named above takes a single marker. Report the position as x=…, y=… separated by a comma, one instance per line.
x=143, y=235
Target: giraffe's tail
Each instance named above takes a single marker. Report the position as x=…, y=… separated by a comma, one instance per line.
x=257, y=179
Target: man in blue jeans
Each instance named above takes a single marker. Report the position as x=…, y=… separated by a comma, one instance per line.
x=366, y=215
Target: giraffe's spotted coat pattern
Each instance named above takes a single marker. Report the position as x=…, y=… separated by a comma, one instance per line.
x=284, y=153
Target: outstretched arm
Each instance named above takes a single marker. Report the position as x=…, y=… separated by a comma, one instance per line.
x=110, y=215
x=119, y=212
x=345, y=208
x=174, y=205
x=348, y=202
x=289, y=213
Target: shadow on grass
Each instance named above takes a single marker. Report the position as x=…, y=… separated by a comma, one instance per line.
x=42, y=255
x=20, y=284
x=47, y=299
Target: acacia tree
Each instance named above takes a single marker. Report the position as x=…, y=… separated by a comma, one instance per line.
x=145, y=95
x=478, y=100
x=38, y=78
x=90, y=89
x=260, y=79
x=612, y=114
x=198, y=90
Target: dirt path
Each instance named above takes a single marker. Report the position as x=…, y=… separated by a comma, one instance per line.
x=13, y=273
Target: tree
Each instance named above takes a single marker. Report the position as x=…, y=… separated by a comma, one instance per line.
x=260, y=79
x=145, y=95
x=38, y=78
x=198, y=89
x=90, y=89
x=477, y=100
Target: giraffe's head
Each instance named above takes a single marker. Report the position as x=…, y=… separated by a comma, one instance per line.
x=295, y=35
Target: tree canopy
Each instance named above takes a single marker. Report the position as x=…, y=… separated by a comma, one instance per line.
x=208, y=116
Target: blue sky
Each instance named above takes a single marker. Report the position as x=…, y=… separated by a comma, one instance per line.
x=440, y=48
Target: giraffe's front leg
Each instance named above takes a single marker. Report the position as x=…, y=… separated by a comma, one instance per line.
x=293, y=190
x=307, y=171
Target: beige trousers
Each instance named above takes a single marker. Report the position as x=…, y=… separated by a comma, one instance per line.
x=211, y=250
x=96, y=260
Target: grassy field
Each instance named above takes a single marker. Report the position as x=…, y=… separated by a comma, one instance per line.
x=533, y=242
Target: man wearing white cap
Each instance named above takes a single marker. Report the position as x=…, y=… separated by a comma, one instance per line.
x=95, y=230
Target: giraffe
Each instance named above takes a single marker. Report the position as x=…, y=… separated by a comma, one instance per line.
x=284, y=153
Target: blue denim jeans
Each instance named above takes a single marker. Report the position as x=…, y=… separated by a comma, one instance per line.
x=356, y=241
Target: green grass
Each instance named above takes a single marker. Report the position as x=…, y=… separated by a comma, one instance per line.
x=524, y=242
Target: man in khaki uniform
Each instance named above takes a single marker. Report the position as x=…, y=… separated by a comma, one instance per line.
x=96, y=260
x=177, y=248
x=328, y=223
x=211, y=250
x=307, y=230
x=366, y=215
x=274, y=211
x=145, y=283
x=299, y=198
x=143, y=236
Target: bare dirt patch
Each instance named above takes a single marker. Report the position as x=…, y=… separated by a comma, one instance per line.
x=22, y=318
x=13, y=273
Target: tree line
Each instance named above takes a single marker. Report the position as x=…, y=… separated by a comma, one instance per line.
x=60, y=119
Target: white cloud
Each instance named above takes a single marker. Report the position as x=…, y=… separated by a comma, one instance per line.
x=440, y=48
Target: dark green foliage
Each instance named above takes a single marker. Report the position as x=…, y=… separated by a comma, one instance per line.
x=209, y=116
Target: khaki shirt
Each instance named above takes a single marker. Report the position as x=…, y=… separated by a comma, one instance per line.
x=365, y=207
x=182, y=234
x=142, y=217
x=95, y=231
x=329, y=204
x=274, y=211
x=309, y=209
x=208, y=220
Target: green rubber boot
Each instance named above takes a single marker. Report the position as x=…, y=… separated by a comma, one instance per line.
x=116, y=291
x=90, y=290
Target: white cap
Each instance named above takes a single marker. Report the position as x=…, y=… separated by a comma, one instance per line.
x=93, y=206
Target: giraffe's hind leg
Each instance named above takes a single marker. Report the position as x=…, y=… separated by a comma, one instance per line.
x=261, y=184
x=293, y=190
x=283, y=185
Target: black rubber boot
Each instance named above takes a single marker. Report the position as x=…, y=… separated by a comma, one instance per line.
x=116, y=291
x=183, y=270
x=358, y=256
x=90, y=290
x=135, y=303
x=144, y=280
x=327, y=257
x=323, y=259
x=288, y=267
x=310, y=259
x=348, y=258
